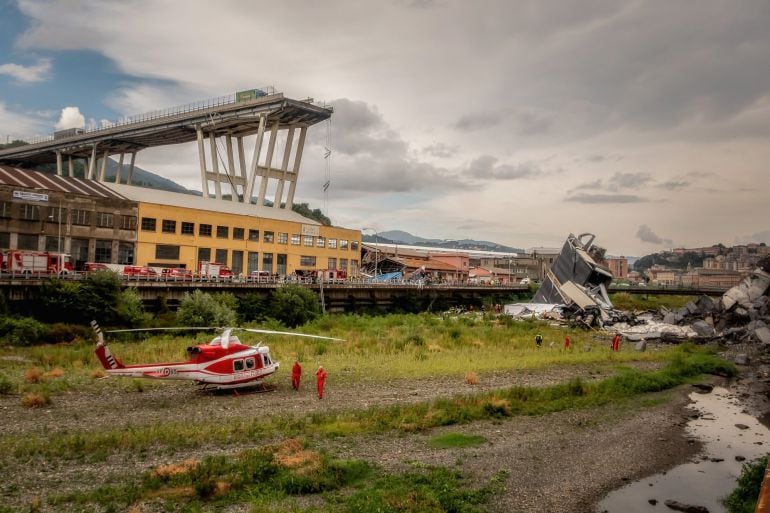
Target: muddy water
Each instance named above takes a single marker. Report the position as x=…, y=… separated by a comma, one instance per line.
x=706, y=481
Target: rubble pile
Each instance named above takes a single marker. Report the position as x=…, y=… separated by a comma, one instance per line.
x=741, y=315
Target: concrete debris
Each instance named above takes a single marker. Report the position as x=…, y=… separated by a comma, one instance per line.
x=574, y=292
x=741, y=359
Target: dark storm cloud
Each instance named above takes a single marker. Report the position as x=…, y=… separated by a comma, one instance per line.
x=479, y=121
x=487, y=168
x=673, y=184
x=359, y=128
x=584, y=197
x=620, y=181
x=645, y=234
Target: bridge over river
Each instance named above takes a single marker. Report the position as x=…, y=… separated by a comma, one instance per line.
x=336, y=296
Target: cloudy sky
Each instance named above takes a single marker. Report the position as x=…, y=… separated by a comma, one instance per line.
x=646, y=123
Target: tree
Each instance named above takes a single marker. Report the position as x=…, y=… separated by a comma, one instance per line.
x=202, y=309
x=294, y=305
x=251, y=307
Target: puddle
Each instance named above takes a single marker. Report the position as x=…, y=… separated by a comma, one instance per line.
x=705, y=482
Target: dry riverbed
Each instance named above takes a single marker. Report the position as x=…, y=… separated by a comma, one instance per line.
x=562, y=462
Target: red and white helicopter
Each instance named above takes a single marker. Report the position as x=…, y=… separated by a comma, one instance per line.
x=222, y=364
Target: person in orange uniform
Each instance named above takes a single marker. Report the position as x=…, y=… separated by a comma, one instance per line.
x=616, y=342
x=296, y=374
x=566, y=343
x=320, y=379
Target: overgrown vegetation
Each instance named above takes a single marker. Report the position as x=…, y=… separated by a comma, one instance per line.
x=685, y=363
x=636, y=302
x=743, y=499
x=277, y=474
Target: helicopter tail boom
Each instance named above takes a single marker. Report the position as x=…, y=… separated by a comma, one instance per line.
x=103, y=352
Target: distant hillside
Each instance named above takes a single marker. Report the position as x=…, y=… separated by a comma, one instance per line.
x=402, y=237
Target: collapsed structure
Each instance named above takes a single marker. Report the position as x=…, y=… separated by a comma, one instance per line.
x=575, y=291
x=577, y=282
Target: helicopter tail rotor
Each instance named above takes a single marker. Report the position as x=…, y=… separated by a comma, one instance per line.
x=104, y=354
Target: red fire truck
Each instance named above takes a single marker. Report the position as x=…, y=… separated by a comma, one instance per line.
x=35, y=262
x=215, y=270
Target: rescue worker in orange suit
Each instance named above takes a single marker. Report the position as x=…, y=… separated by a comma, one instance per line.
x=616, y=342
x=566, y=343
x=296, y=374
x=320, y=379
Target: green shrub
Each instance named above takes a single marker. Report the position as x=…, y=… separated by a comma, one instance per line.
x=743, y=499
x=294, y=305
x=6, y=385
x=202, y=309
x=251, y=307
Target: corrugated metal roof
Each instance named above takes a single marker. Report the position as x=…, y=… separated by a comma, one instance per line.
x=18, y=177
x=178, y=199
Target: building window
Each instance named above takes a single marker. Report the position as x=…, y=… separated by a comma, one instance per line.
x=125, y=253
x=354, y=267
x=80, y=217
x=307, y=261
x=148, y=224
x=30, y=212
x=188, y=228
x=281, y=265
x=104, y=220
x=52, y=244
x=353, y=245
x=168, y=226
x=267, y=262
x=343, y=244
x=253, y=262
x=344, y=264
x=27, y=241
x=221, y=256
x=204, y=254
x=237, y=262
x=254, y=235
x=283, y=238
x=79, y=250
x=307, y=241
x=295, y=239
x=5, y=209
x=332, y=263
x=320, y=242
x=103, y=252
x=128, y=223
x=5, y=240
x=204, y=230
x=269, y=236
x=223, y=232
x=238, y=233
x=166, y=252
x=332, y=243
x=56, y=214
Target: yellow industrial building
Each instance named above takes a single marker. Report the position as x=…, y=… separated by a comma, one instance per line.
x=182, y=230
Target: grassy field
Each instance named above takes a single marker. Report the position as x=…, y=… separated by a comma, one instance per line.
x=291, y=474
x=374, y=348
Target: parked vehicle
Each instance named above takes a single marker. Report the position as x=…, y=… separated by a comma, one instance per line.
x=139, y=271
x=176, y=273
x=331, y=275
x=259, y=276
x=35, y=262
x=214, y=270
x=91, y=267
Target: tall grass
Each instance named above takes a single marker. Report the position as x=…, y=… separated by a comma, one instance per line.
x=685, y=363
x=374, y=348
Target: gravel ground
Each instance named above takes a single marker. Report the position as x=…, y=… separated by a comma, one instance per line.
x=563, y=462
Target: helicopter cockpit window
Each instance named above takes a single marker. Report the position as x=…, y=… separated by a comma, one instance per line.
x=249, y=363
x=237, y=365
x=267, y=360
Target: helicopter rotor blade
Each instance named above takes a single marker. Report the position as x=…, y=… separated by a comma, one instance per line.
x=181, y=328
x=288, y=333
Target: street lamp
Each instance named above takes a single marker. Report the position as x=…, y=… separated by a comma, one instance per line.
x=376, y=250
